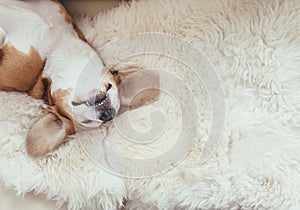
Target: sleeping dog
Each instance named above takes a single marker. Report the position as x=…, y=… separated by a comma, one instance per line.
x=43, y=53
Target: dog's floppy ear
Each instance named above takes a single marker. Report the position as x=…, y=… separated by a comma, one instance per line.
x=47, y=133
x=136, y=88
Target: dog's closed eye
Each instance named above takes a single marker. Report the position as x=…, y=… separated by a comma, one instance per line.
x=77, y=103
x=87, y=121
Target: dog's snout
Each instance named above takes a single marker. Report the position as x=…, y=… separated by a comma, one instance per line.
x=108, y=114
x=103, y=106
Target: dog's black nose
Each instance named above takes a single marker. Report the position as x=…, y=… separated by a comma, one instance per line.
x=103, y=106
x=108, y=114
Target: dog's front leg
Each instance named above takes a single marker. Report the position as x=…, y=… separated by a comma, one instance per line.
x=2, y=41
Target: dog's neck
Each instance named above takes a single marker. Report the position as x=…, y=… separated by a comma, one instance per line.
x=68, y=61
x=67, y=49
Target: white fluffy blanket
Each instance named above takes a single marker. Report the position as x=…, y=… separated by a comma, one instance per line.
x=255, y=49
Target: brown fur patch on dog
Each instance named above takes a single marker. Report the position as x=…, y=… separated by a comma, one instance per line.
x=60, y=98
x=19, y=71
x=79, y=33
x=63, y=11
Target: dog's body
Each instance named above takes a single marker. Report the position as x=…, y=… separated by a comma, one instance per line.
x=44, y=54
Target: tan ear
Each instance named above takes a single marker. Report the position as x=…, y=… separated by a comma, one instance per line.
x=137, y=88
x=47, y=133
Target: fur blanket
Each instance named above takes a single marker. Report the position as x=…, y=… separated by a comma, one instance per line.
x=254, y=47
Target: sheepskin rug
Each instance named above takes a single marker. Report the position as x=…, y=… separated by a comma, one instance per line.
x=254, y=47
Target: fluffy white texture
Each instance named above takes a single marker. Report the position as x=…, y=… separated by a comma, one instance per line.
x=67, y=175
x=255, y=48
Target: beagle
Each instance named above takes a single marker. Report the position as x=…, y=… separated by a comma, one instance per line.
x=44, y=54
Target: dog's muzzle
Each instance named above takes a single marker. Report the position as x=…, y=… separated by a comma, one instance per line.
x=103, y=106
x=108, y=114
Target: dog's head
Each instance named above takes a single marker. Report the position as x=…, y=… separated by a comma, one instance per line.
x=95, y=99
x=98, y=96
x=117, y=92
